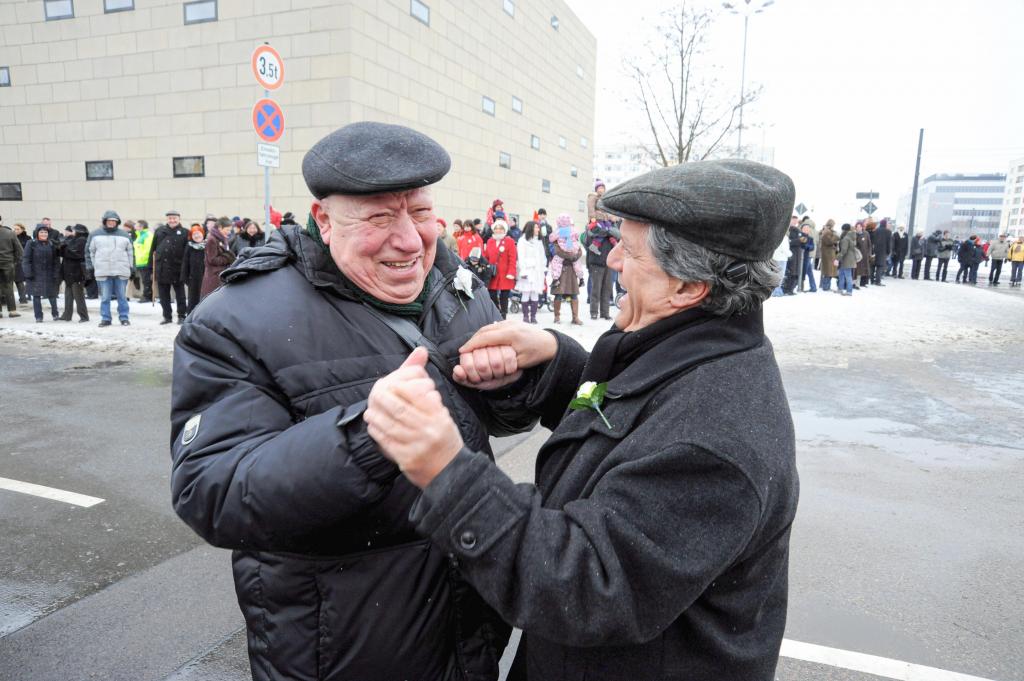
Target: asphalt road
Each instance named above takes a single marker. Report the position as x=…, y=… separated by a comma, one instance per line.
x=907, y=545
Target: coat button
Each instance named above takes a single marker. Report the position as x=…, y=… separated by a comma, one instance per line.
x=467, y=540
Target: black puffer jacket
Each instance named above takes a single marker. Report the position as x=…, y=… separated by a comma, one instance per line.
x=41, y=264
x=332, y=579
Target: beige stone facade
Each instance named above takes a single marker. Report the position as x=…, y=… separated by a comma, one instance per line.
x=141, y=87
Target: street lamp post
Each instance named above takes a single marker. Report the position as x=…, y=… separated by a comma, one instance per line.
x=748, y=8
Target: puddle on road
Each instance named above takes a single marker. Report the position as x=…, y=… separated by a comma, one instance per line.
x=23, y=603
x=903, y=440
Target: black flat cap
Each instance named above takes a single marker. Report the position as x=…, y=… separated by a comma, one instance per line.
x=370, y=158
x=733, y=207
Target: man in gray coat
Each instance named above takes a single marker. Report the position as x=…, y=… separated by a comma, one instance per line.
x=111, y=259
x=655, y=543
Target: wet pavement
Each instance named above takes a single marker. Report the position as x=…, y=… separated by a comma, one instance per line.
x=907, y=544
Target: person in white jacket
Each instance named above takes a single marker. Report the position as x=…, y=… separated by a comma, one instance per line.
x=109, y=255
x=531, y=270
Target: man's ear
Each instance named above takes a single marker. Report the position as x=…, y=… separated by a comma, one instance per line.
x=319, y=212
x=689, y=294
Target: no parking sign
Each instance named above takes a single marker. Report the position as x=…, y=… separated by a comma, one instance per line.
x=268, y=120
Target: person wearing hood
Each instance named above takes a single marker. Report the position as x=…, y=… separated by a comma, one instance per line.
x=501, y=252
x=41, y=264
x=531, y=270
x=478, y=265
x=11, y=254
x=218, y=256
x=193, y=265
x=110, y=258
x=72, y=270
x=169, y=245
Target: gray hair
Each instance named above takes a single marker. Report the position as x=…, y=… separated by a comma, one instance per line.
x=690, y=262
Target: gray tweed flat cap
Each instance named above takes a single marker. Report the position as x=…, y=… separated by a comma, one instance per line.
x=370, y=158
x=733, y=207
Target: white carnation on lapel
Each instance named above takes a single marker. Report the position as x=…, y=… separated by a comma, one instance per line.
x=464, y=281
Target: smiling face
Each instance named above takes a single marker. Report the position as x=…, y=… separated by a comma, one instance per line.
x=384, y=243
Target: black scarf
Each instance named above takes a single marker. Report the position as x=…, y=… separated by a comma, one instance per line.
x=615, y=349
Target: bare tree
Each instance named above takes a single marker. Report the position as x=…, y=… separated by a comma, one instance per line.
x=679, y=96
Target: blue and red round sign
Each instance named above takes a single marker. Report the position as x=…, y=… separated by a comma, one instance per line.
x=268, y=120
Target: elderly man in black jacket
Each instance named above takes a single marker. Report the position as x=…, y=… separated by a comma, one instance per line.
x=271, y=457
x=655, y=543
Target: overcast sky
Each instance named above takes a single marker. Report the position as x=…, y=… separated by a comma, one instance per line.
x=847, y=85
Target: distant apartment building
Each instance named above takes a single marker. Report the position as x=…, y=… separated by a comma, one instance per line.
x=616, y=163
x=1013, y=210
x=962, y=204
x=146, y=105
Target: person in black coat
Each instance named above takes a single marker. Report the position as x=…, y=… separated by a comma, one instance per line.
x=270, y=455
x=917, y=248
x=169, y=243
x=796, y=248
x=73, y=273
x=41, y=264
x=193, y=265
x=899, y=252
x=881, y=244
x=655, y=542
x=251, y=236
x=969, y=257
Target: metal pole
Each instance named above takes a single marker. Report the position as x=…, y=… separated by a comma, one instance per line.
x=743, y=83
x=266, y=186
x=913, y=194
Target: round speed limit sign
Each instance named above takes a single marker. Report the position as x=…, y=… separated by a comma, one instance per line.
x=268, y=67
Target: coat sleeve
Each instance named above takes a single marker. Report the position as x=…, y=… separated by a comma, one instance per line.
x=215, y=255
x=186, y=267
x=244, y=474
x=615, y=568
x=26, y=262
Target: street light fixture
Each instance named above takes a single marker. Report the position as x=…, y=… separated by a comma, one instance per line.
x=747, y=8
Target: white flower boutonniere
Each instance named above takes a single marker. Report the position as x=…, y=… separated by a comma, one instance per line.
x=590, y=396
x=463, y=283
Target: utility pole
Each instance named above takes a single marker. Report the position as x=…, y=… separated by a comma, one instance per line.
x=913, y=194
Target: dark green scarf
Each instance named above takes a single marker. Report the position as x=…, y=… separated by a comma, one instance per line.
x=413, y=309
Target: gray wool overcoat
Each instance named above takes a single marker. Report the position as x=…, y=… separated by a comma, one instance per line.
x=657, y=549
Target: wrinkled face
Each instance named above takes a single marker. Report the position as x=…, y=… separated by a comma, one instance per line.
x=384, y=243
x=649, y=287
x=499, y=232
x=173, y=221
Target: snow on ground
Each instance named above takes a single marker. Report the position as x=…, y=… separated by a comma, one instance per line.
x=914, y=319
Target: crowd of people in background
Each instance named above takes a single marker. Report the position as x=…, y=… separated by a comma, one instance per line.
x=863, y=254
x=121, y=260
x=536, y=264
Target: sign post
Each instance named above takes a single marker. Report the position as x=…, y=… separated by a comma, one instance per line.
x=267, y=116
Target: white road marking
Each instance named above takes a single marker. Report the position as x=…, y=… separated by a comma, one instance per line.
x=49, y=493
x=869, y=664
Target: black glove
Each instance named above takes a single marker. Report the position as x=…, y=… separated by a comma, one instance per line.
x=581, y=282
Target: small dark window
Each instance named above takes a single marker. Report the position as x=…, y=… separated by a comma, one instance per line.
x=419, y=11
x=561, y=142
x=582, y=206
x=200, y=11
x=487, y=105
x=58, y=9
x=118, y=5
x=554, y=22
x=99, y=170
x=535, y=142
x=574, y=172
x=504, y=159
x=5, y=76
x=579, y=71
x=189, y=166
x=509, y=7
x=10, y=191
x=545, y=186
x=517, y=104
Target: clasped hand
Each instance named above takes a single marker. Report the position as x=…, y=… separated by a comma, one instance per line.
x=406, y=416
